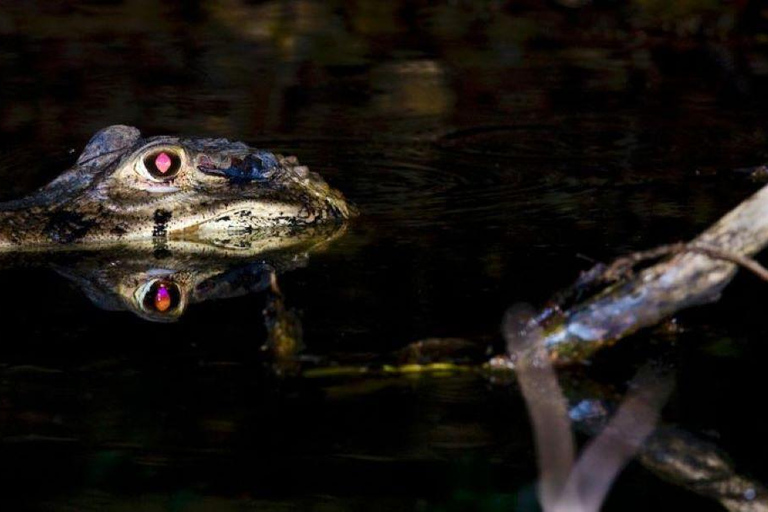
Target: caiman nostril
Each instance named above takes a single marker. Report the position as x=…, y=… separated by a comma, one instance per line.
x=254, y=167
x=257, y=166
x=261, y=163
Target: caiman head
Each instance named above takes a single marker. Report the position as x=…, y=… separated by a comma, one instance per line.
x=127, y=188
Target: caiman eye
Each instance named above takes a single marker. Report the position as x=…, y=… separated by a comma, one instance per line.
x=159, y=296
x=162, y=164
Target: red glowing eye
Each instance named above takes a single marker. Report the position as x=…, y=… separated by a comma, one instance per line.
x=163, y=165
x=162, y=298
x=163, y=162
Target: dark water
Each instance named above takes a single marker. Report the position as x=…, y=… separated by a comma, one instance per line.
x=493, y=150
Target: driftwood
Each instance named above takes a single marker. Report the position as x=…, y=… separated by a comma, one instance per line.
x=694, y=273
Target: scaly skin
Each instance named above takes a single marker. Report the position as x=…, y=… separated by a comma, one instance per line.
x=222, y=191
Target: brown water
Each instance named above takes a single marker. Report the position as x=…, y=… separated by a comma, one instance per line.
x=493, y=152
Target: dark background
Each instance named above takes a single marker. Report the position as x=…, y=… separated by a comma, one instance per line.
x=494, y=149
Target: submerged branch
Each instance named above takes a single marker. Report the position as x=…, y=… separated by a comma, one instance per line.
x=565, y=484
x=547, y=407
x=581, y=484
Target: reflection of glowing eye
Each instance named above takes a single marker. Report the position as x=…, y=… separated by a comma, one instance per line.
x=159, y=296
x=163, y=164
x=162, y=298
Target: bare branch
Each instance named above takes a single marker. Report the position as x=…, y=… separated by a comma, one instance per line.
x=620, y=301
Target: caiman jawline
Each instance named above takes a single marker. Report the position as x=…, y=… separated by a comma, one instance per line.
x=246, y=217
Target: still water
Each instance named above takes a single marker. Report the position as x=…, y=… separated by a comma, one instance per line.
x=493, y=150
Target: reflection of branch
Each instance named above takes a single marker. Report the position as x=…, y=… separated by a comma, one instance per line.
x=284, y=330
x=702, y=467
x=608, y=453
x=674, y=455
x=581, y=487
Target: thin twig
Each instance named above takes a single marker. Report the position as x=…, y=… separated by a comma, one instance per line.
x=731, y=257
x=622, y=266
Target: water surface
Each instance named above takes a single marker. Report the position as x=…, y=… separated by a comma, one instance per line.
x=493, y=151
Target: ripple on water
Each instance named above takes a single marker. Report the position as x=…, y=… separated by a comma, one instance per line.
x=428, y=186
x=609, y=141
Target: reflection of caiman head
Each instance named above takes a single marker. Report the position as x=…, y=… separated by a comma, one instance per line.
x=161, y=289
x=209, y=191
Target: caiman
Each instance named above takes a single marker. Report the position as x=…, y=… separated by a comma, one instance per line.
x=126, y=188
